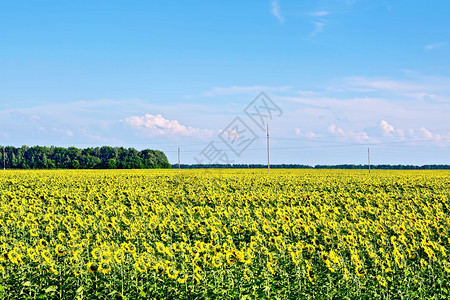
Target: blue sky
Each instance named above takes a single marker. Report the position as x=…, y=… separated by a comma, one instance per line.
x=346, y=76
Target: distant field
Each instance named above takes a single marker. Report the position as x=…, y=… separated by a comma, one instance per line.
x=238, y=234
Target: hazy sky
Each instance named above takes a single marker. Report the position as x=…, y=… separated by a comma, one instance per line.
x=340, y=76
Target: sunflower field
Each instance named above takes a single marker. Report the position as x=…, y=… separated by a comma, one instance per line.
x=227, y=234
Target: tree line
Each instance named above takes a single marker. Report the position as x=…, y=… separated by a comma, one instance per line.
x=299, y=166
x=106, y=157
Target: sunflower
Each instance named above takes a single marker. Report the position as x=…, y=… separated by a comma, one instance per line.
x=165, y=237
x=98, y=241
x=270, y=266
x=198, y=272
x=264, y=250
x=75, y=234
x=446, y=266
x=231, y=259
x=33, y=254
x=46, y=255
x=360, y=271
x=247, y=257
x=381, y=280
x=43, y=243
x=172, y=272
x=324, y=256
x=197, y=261
x=74, y=260
x=60, y=250
x=175, y=247
x=214, y=235
x=226, y=246
x=217, y=260
x=296, y=230
x=267, y=229
x=119, y=256
x=248, y=274
x=206, y=259
x=159, y=268
x=293, y=255
x=106, y=255
x=52, y=269
x=309, y=248
x=346, y=277
x=182, y=277
x=96, y=253
x=310, y=273
x=254, y=246
x=334, y=257
x=105, y=267
x=146, y=258
x=140, y=266
x=92, y=267
x=62, y=237
x=14, y=257
x=130, y=248
x=34, y=232
x=185, y=239
x=202, y=230
x=424, y=264
x=194, y=251
x=160, y=247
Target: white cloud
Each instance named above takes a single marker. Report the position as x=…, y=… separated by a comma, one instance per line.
x=371, y=84
x=400, y=132
x=64, y=132
x=335, y=130
x=318, y=27
x=417, y=87
x=308, y=134
x=234, y=90
x=389, y=130
x=357, y=136
x=154, y=125
x=422, y=133
x=276, y=11
x=318, y=16
x=320, y=13
x=430, y=136
x=434, y=46
x=421, y=96
x=306, y=93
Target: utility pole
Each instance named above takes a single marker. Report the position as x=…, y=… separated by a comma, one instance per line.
x=268, y=155
x=4, y=159
x=368, y=157
x=178, y=159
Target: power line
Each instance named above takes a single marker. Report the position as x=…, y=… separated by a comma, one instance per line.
x=179, y=159
x=268, y=156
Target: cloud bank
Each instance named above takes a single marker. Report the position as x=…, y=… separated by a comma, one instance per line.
x=276, y=11
x=154, y=125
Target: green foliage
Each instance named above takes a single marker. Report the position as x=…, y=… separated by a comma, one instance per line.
x=105, y=157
